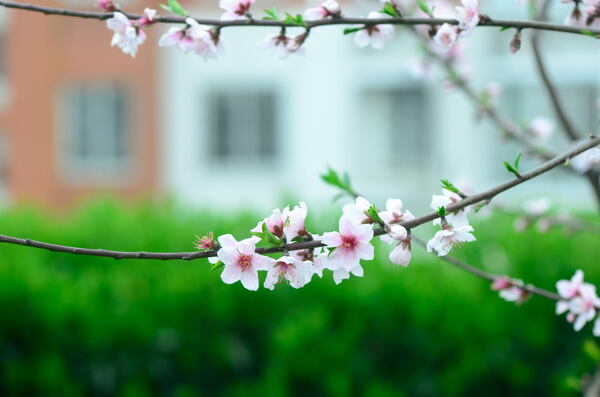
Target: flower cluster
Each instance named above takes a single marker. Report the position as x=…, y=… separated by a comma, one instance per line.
x=579, y=301
x=455, y=228
x=128, y=35
x=585, y=13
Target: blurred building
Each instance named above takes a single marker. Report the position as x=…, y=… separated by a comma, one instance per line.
x=78, y=117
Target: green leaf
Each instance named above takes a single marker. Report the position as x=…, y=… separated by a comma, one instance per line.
x=175, y=8
x=517, y=160
x=341, y=182
x=390, y=10
x=479, y=206
x=351, y=30
x=217, y=266
x=441, y=211
x=446, y=184
x=588, y=33
x=503, y=28
x=269, y=238
x=509, y=167
x=294, y=20
x=425, y=8
x=373, y=214
x=272, y=14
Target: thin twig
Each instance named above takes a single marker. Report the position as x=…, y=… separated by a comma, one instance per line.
x=486, y=22
x=489, y=276
x=474, y=199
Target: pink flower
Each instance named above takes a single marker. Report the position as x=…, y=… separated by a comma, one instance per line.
x=329, y=8
x=281, y=46
x=297, y=273
x=357, y=211
x=583, y=307
x=126, y=35
x=468, y=16
x=274, y=223
x=294, y=226
x=241, y=261
x=393, y=212
x=444, y=240
x=316, y=256
x=445, y=38
x=541, y=128
x=235, y=9
x=570, y=289
x=106, y=5
x=374, y=35
x=196, y=38
x=456, y=219
x=351, y=244
x=511, y=290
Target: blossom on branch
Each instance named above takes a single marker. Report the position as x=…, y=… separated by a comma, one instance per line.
x=298, y=273
x=468, y=16
x=106, y=5
x=196, y=38
x=444, y=240
x=511, y=290
x=349, y=245
x=578, y=299
x=281, y=46
x=236, y=9
x=241, y=261
x=129, y=35
x=447, y=198
x=374, y=35
x=445, y=38
x=357, y=211
x=327, y=9
x=541, y=128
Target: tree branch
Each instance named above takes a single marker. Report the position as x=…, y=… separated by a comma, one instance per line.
x=486, y=22
x=474, y=199
x=489, y=276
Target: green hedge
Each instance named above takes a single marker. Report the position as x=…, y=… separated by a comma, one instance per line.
x=73, y=325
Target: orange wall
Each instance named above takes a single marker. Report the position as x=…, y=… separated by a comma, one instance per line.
x=42, y=54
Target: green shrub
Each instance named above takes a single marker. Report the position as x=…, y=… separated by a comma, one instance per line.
x=74, y=325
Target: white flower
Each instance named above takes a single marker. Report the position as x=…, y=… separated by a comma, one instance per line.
x=448, y=198
x=374, y=35
x=329, y=8
x=351, y=244
x=393, y=212
x=584, y=306
x=340, y=274
x=294, y=225
x=281, y=46
x=235, y=9
x=241, y=261
x=357, y=211
x=537, y=207
x=445, y=239
x=401, y=254
x=274, y=222
x=196, y=38
x=297, y=273
x=541, y=128
x=445, y=38
x=126, y=35
x=587, y=160
x=568, y=289
x=468, y=16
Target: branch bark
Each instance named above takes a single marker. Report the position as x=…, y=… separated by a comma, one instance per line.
x=486, y=22
x=474, y=199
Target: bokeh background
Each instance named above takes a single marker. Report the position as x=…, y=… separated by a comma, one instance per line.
x=98, y=149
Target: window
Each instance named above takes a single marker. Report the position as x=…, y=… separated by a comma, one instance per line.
x=96, y=122
x=243, y=127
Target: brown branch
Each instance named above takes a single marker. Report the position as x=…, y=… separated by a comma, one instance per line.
x=486, y=22
x=474, y=199
x=489, y=276
x=569, y=223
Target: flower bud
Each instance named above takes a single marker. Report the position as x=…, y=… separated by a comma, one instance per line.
x=515, y=43
x=106, y=5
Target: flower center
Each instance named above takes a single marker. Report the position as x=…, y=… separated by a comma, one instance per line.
x=349, y=242
x=245, y=261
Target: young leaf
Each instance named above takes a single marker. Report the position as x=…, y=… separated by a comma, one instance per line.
x=217, y=266
x=374, y=215
x=175, y=8
x=390, y=10
x=425, y=8
x=441, y=211
x=446, y=184
x=269, y=238
x=272, y=14
x=517, y=160
x=294, y=20
x=588, y=33
x=351, y=30
x=343, y=183
x=503, y=28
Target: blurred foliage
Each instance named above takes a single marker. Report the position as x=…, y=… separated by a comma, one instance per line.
x=75, y=325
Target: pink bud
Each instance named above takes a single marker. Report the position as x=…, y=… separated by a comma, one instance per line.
x=106, y=5
x=515, y=43
x=501, y=283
